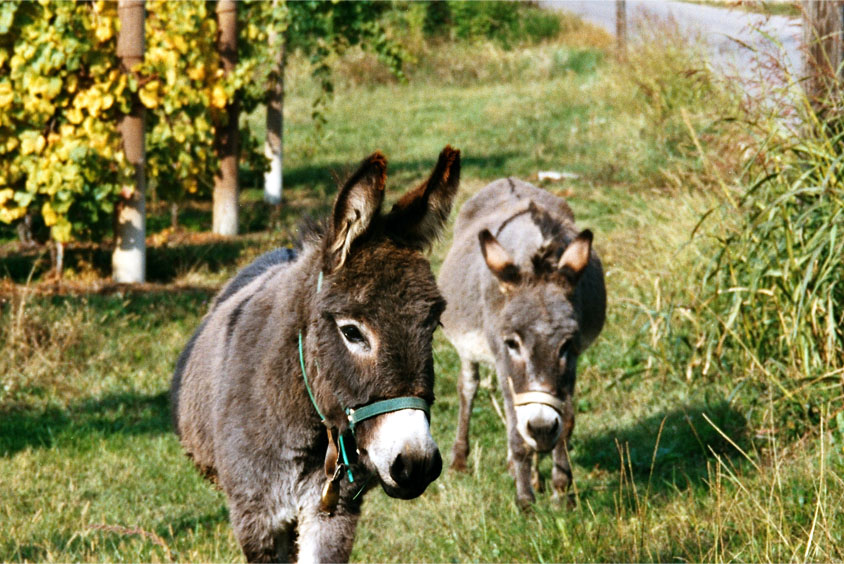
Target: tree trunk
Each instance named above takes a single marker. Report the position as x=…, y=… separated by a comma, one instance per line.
x=225, y=182
x=621, y=28
x=824, y=48
x=274, y=144
x=128, y=262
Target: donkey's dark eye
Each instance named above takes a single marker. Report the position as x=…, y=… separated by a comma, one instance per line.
x=512, y=344
x=353, y=335
x=564, y=350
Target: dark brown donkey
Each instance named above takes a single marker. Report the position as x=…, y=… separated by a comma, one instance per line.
x=526, y=295
x=309, y=380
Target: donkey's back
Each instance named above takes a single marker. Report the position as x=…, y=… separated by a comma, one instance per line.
x=508, y=209
x=190, y=404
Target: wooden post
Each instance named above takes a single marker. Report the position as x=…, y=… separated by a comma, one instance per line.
x=274, y=144
x=128, y=262
x=621, y=28
x=226, y=142
x=823, y=24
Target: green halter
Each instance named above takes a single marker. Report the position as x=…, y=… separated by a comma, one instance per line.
x=355, y=416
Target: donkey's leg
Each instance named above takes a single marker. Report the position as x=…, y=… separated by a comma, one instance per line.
x=561, y=476
x=253, y=531
x=519, y=454
x=467, y=386
x=535, y=477
x=324, y=538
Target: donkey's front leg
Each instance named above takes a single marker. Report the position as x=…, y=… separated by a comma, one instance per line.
x=561, y=475
x=251, y=524
x=326, y=538
x=522, y=456
x=467, y=387
x=519, y=454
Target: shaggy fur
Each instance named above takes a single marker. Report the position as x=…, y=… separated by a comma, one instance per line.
x=239, y=400
x=535, y=287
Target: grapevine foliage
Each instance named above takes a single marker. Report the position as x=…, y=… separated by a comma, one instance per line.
x=62, y=93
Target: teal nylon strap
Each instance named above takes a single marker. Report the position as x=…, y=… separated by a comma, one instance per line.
x=305, y=377
x=386, y=406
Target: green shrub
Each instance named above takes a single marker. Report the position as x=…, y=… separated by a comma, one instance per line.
x=505, y=23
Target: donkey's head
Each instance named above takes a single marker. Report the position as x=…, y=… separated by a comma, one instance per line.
x=537, y=330
x=374, y=317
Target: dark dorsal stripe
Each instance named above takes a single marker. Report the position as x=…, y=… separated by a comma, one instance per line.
x=254, y=270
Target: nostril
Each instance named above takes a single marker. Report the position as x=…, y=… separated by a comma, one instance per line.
x=408, y=472
x=400, y=470
x=543, y=430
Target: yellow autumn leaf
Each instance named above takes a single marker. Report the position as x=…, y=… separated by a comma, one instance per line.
x=197, y=73
x=6, y=195
x=104, y=31
x=49, y=215
x=61, y=231
x=11, y=144
x=7, y=96
x=8, y=215
x=149, y=94
x=71, y=84
x=180, y=44
x=32, y=144
x=218, y=97
x=74, y=116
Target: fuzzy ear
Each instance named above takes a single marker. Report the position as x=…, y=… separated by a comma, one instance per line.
x=576, y=256
x=498, y=261
x=418, y=217
x=358, y=202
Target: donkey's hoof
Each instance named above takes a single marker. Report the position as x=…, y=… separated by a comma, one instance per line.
x=525, y=504
x=564, y=500
x=459, y=465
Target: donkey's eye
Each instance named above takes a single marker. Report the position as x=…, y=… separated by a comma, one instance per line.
x=564, y=350
x=353, y=335
x=512, y=344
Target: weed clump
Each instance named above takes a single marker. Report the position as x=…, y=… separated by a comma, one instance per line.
x=772, y=298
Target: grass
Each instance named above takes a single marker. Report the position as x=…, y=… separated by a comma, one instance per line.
x=667, y=465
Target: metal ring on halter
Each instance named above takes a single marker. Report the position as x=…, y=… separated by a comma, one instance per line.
x=543, y=398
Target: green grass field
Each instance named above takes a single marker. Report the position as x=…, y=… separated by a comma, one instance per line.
x=667, y=466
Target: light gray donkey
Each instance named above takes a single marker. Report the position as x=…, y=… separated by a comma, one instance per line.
x=310, y=380
x=526, y=294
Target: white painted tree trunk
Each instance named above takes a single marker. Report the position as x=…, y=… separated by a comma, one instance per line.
x=273, y=178
x=224, y=213
x=274, y=144
x=128, y=261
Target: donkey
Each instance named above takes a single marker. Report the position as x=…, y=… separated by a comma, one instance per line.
x=526, y=294
x=309, y=381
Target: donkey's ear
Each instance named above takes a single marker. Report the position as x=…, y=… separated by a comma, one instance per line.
x=576, y=256
x=358, y=202
x=418, y=217
x=498, y=261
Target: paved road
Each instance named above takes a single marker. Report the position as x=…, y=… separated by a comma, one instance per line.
x=719, y=27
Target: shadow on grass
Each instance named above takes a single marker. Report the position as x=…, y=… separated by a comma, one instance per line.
x=164, y=263
x=125, y=413
x=687, y=442
x=193, y=522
